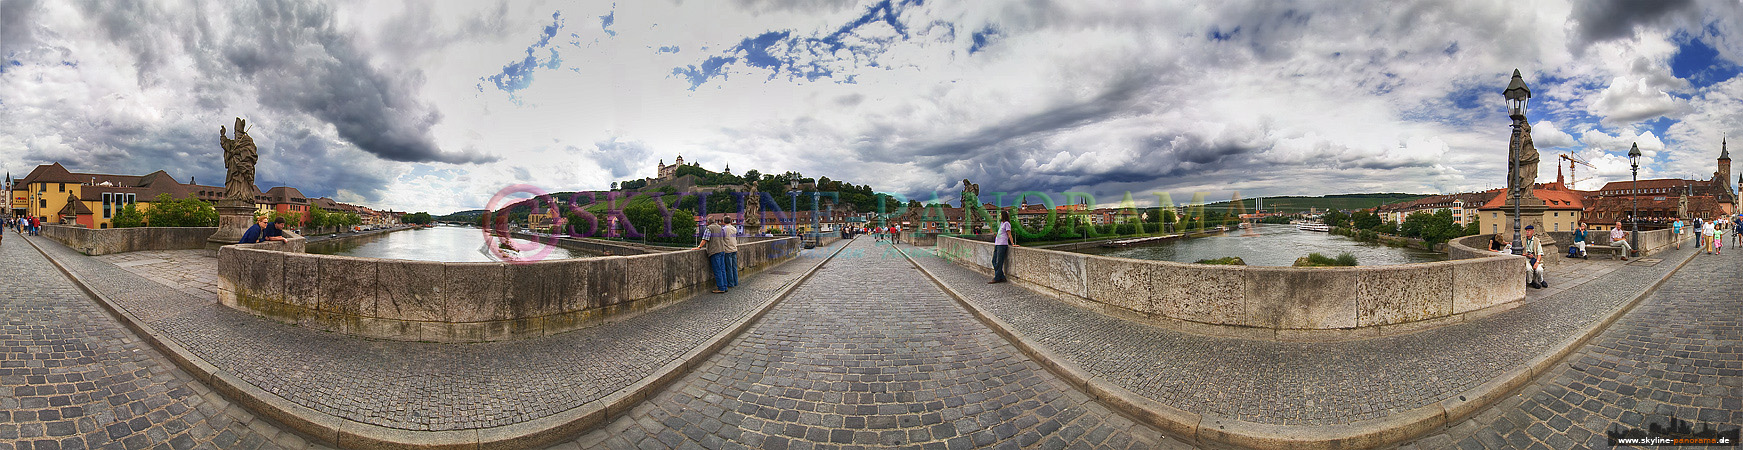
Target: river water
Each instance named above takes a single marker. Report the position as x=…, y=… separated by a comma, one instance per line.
x=1271, y=245
x=440, y=243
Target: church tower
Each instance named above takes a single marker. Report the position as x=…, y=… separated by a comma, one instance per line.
x=1724, y=174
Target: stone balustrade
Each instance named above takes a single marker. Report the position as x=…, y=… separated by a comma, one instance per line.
x=120, y=240
x=1289, y=303
x=466, y=302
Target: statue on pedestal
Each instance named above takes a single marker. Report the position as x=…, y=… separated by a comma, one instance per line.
x=239, y=158
x=1526, y=176
x=236, y=209
x=753, y=209
x=970, y=199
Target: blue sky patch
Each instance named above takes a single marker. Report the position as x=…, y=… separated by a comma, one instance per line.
x=1700, y=63
x=519, y=75
x=667, y=49
x=606, y=20
x=981, y=39
x=810, y=58
x=1217, y=34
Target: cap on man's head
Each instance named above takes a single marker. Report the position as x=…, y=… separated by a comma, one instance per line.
x=1531, y=227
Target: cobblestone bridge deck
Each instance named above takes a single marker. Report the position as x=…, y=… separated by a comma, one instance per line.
x=868, y=353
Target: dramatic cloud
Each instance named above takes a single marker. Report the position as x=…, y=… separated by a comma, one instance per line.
x=435, y=106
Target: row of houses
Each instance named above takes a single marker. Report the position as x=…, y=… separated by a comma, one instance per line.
x=54, y=194
x=1658, y=201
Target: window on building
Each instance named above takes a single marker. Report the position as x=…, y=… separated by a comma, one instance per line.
x=103, y=226
x=42, y=203
x=1557, y=226
x=1495, y=228
x=63, y=187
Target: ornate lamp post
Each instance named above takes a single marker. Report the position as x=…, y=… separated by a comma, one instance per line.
x=1518, y=95
x=1634, y=219
x=793, y=183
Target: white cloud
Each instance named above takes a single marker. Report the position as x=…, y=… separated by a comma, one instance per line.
x=1093, y=96
x=1630, y=100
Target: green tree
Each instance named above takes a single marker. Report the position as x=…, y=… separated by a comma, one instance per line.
x=167, y=211
x=129, y=217
x=651, y=224
x=291, y=219
x=1336, y=218
x=418, y=218
x=319, y=218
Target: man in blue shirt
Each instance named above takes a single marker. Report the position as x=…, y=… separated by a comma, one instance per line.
x=264, y=231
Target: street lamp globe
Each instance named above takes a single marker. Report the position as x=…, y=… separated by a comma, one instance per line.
x=1517, y=95
x=1634, y=156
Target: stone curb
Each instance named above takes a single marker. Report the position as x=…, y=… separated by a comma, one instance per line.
x=345, y=433
x=1213, y=429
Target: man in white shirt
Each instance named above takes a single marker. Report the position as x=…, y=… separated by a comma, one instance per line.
x=1620, y=239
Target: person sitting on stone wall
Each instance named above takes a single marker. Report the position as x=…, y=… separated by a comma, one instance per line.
x=1620, y=240
x=1533, y=259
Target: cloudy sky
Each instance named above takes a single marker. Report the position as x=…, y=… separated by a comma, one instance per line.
x=435, y=106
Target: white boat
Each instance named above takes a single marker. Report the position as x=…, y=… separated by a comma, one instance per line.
x=1313, y=227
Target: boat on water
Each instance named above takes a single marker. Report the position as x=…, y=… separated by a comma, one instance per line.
x=1313, y=227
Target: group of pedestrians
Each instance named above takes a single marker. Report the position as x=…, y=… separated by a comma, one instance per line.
x=24, y=225
x=720, y=240
x=1710, y=234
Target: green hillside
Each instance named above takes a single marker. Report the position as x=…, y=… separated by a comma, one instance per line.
x=1345, y=202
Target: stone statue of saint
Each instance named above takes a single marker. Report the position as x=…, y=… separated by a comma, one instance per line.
x=1527, y=176
x=753, y=207
x=239, y=158
x=970, y=198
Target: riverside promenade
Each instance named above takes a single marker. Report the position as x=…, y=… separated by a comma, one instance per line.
x=867, y=352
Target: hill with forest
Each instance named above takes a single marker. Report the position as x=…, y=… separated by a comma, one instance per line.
x=1340, y=202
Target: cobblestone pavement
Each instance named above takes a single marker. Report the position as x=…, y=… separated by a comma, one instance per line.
x=73, y=378
x=1679, y=353
x=1292, y=383
x=869, y=353
x=192, y=271
x=425, y=386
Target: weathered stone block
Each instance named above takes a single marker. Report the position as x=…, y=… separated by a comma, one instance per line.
x=1397, y=294
x=475, y=292
x=302, y=280
x=1201, y=294
x=645, y=276
x=1486, y=282
x=533, y=289
x=1121, y=282
x=347, y=285
x=410, y=290
x=263, y=275
x=1065, y=272
x=1300, y=298
x=605, y=285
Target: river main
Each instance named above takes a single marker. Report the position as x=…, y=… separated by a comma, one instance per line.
x=440, y=243
x=1270, y=245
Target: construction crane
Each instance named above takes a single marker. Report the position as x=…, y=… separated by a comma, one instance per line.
x=1571, y=160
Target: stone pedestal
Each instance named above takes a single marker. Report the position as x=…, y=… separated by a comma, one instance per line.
x=234, y=218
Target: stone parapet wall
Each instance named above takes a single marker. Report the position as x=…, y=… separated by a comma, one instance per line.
x=122, y=240
x=1280, y=302
x=595, y=246
x=466, y=302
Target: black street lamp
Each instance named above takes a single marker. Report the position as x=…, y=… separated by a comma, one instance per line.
x=1517, y=95
x=1634, y=219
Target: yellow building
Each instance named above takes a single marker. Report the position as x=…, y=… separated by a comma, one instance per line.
x=55, y=195
x=1564, y=210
